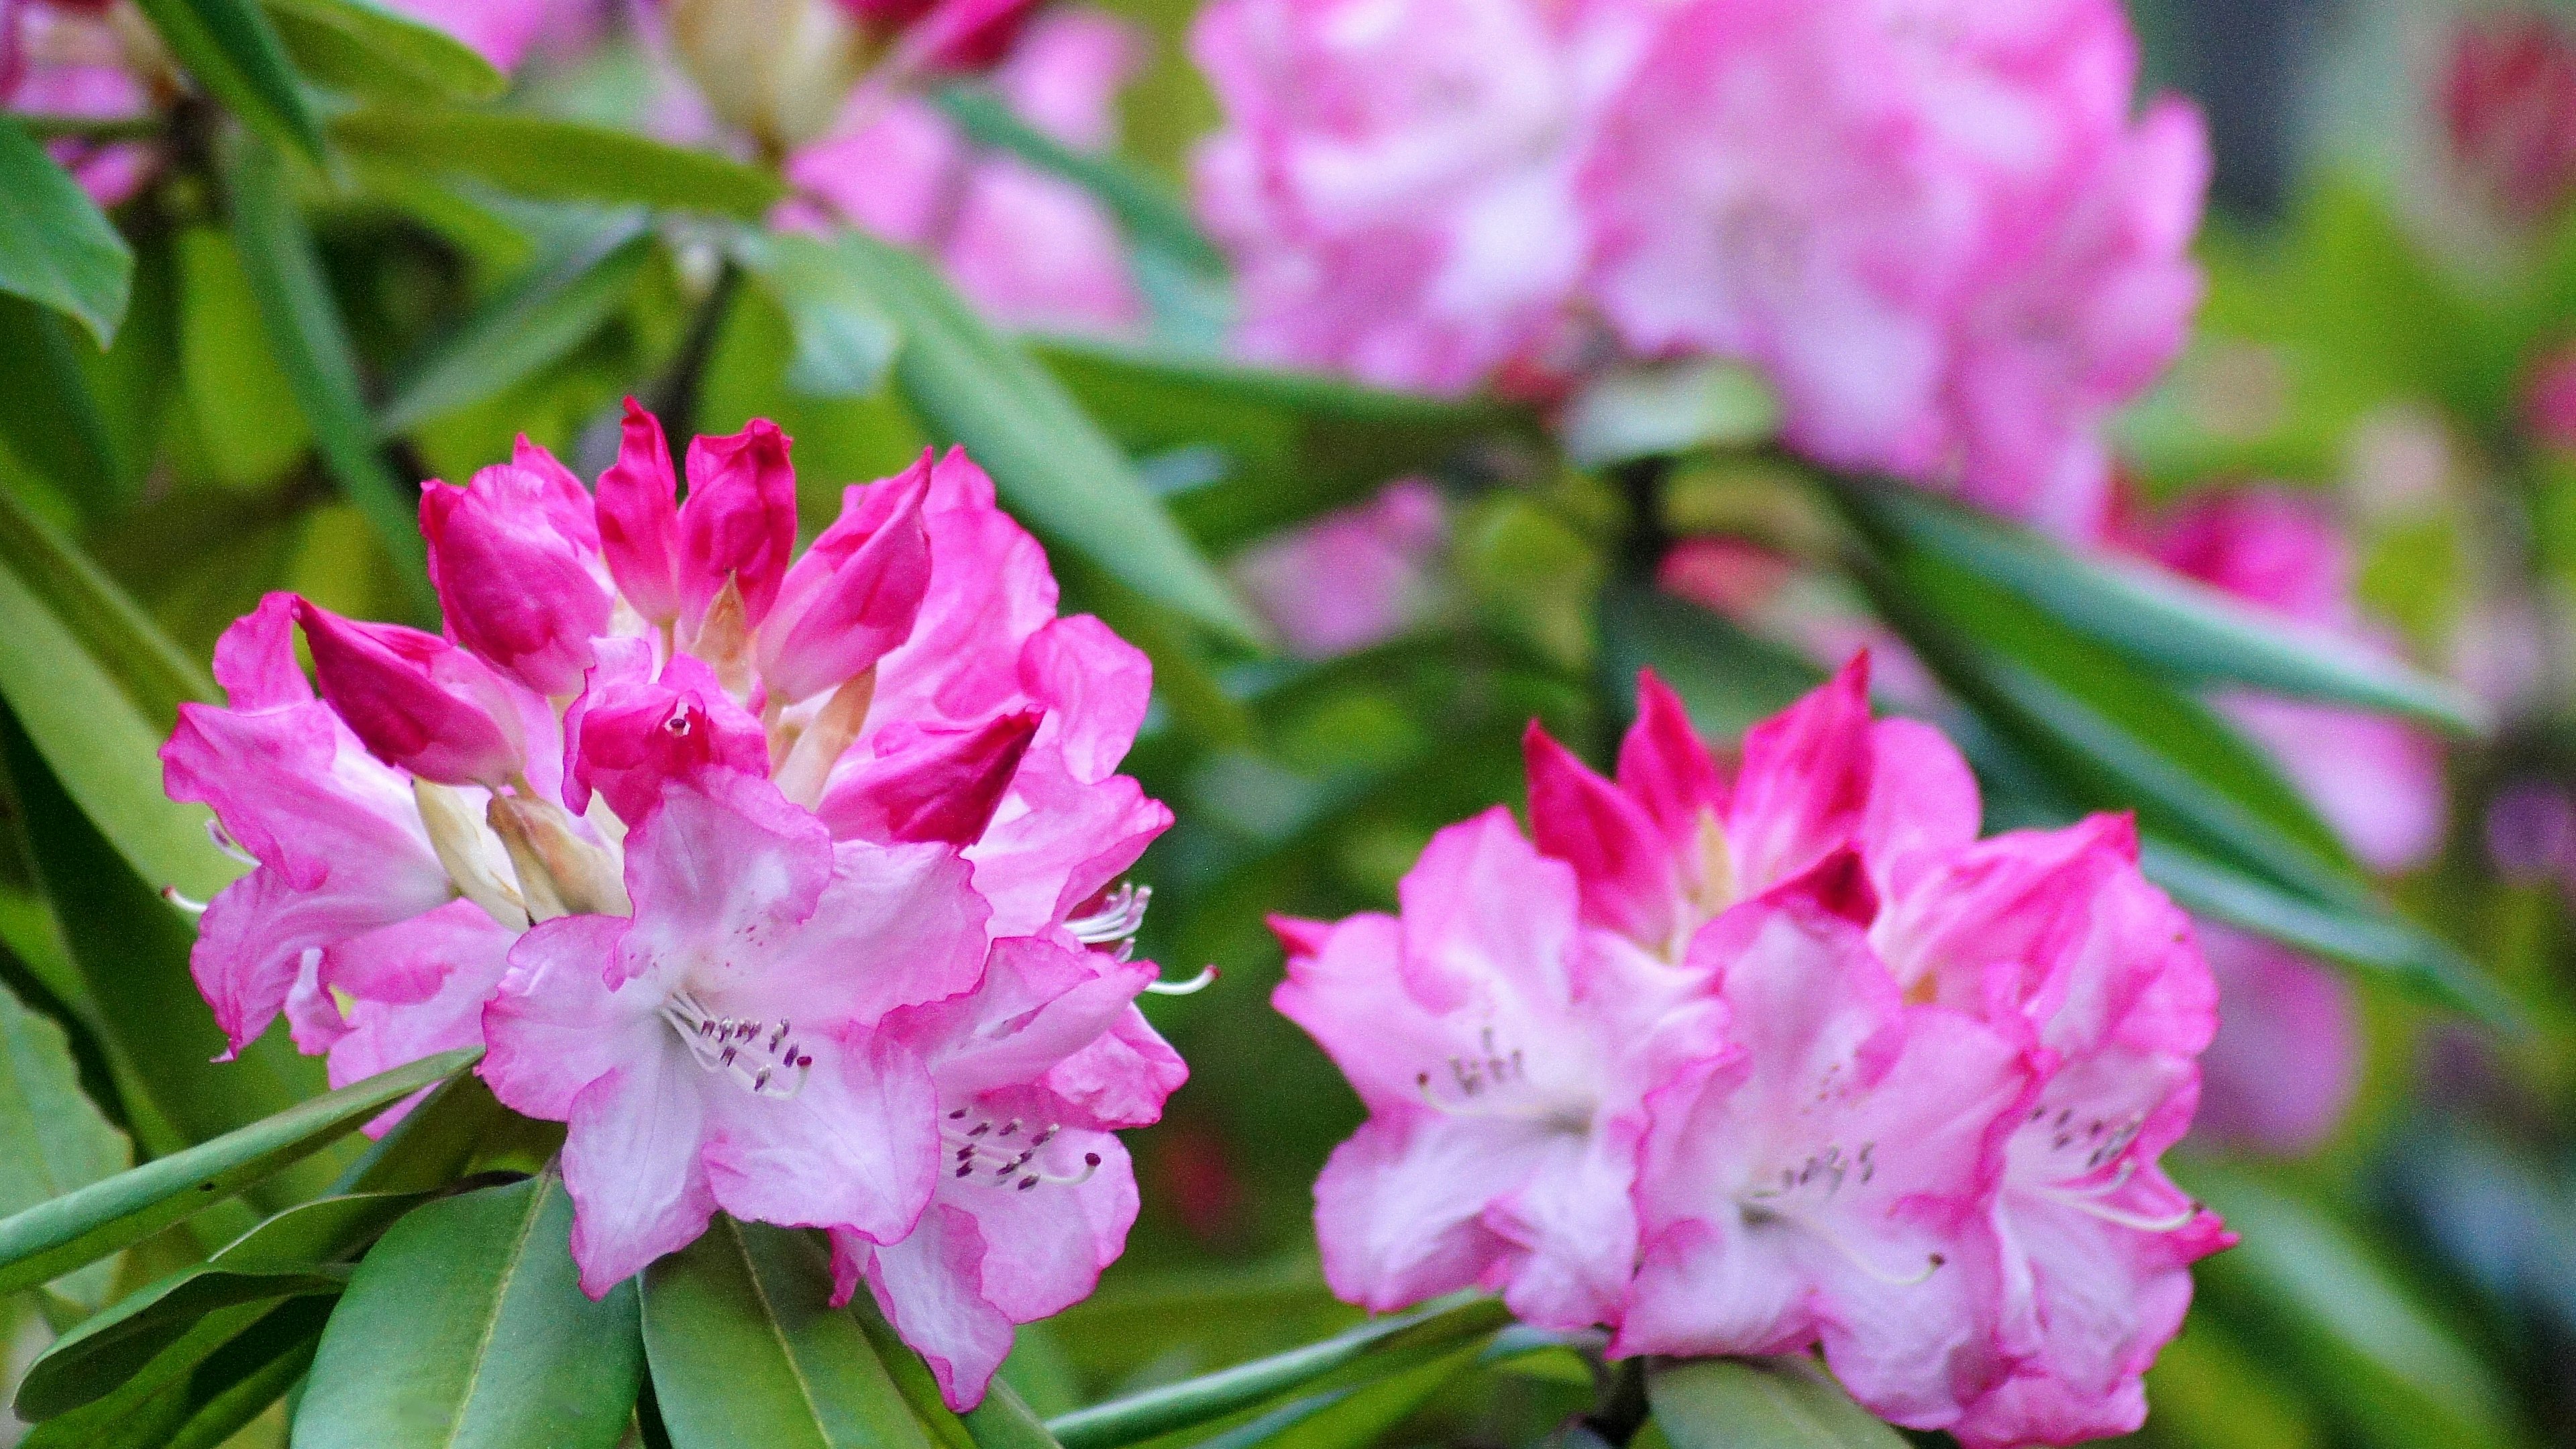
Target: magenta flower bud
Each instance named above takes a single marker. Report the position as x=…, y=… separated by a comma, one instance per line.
x=417, y=702
x=639, y=519
x=739, y=522
x=516, y=588
x=630, y=732
x=854, y=596
x=945, y=789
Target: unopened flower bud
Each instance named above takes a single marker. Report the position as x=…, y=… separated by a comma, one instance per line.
x=943, y=789
x=631, y=731
x=739, y=525
x=418, y=702
x=639, y=518
x=778, y=69
x=852, y=598
x=516, y=587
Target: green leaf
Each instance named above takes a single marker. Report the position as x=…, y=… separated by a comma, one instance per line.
x=1051, y=464
x=48, y=1240
x=1352, y=1416
x=1155, y=1412
x=1727, y=678
x=2166, y=621
x=845, y=342
x=290, y=1255
x=467, y=1325
x=229, y=46
x=312, y=343
x=53, y=1139
x=242, y=409
x=2362, y=935
x=1288, y=446
x=1151, y=215
x=55, y=247
x=746, y=1349
x=1659, y=410
x=228, y=1369
x=540, y=156
x=120, y=638
x=1004, y=1420
x=2318, y=1296
x=51, y=414
x=368, y=48
x=534, y=322
x=1768, y=1403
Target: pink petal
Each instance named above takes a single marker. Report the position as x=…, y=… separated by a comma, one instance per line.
x=1805, y=785
x=721, y=864
x=929, y=1287
x=1666, y=768
x=854, y=594
x=630, y=734
x=255, y=658
x=514, y=588
x=420, y=703
x=855, y=1147
x=639, y=518
x=1399, y=1209
x=945, y=788
x=739, y=522
x=630, y=1162
x=1625, y=863
x=555, y=1026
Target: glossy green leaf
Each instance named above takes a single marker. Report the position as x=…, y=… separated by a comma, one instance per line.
x=746, y=1349
x=845, y=342
x=55, y=247
x=1355, y=1415
x=1050, y=462
x=155, y=675
x=567, y=160
x=54, y=1237
x=229, y=1368
x=2167, y=621
x=467, y=1326
x=1285, y=447
x=530, y=325
x=361, y=46
x=312, y=343
x=53, y=1139
x=1154, y=1412
x=241, y=406
x=291, y=1255
x=51, y=415
x=231, y=49
x=1004, y=1420
x=1658, y=411
x=1146, y=208
x=1773, y=1403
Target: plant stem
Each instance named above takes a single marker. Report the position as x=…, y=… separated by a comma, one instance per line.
x=1623, y=1408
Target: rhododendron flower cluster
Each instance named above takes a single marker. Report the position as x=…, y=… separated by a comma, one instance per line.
x=1935, y=225
x=787, y=881
x=1787, y=1060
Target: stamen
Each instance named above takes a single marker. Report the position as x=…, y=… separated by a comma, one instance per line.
x=772, y=1067
x=1191, y=987
x=224, y=842
x=974, y=1153
x=2117, y=1218
x=192, y=906
x=1932, y=1262
x=1121, y=915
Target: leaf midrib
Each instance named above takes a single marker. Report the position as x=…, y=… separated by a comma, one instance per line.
x=786, y=1350
x=544, y=1182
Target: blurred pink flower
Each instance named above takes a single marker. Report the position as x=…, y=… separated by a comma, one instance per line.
x=69, y=61
x=1030, y=249
x=2287, y=1058
x=498, y=30
x=2549, y=400
x=1354, y=578
x=2509, y=104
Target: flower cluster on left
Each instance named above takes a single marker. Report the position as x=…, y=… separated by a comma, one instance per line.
x=789, y=883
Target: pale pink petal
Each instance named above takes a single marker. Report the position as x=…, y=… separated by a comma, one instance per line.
x=1400, y=1207
x=855, y=1147
x=630, y=1162
x=928, y=1287
x=555, y=1026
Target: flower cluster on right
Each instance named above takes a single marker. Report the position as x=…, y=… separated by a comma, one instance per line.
x=1786, y=1061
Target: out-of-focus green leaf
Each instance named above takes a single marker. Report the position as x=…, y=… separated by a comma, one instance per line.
x=746, y=1349
x=361, y=46
x=1150, y=213
x=1003, y=1421
x=1657, y=411
x=467, y=1325
x=54, y=1237
x=1049, y=461
x=312, y=343
x=229, y=46
x=1155, y=1412
x=291, y=1255
x=845, y=342
x=540, y=156
x=52, y=1137
x=2361, y=934
x=2392, y=1374
x=2166, y=621
x=1727, y=678
x=240, y=402
x=55, y=247
x=1358, y=1415
x=119, y=636
x=224, y=1373
x=50, y=415
x=1773, y=1403
x=1292, y=445
x=530, y=325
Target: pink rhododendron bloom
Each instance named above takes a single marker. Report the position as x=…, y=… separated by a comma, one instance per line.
x=2509, y=105
x=1504, y=1052
x=70, y=61
x=1030, y=249
x=1351, y=579
x=2549, y=400
x=1034, y=1194
x=1395, y=178
x=498, y=30
x=684, y=826
x=2283, y=1068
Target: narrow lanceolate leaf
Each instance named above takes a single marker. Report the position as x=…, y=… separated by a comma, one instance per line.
x=2164, y=620
x=365, y=47
x=1283, y=447
x=229, y=46
x=531, y=324
x=52, y=1137
x=1151, y=215
x=1201, y=1400
x=312, y=343
x=294, y=1254
x=845, y=342
x=55, y=247
x=566, y=160
x=1660, y=410
x=229, y=1368
x=466, y=1326
x=1774, y=1403
x=1354, y=1415
x=52, y=1238
x=156, y=675
x=1051, y=464
x=746, y=1349
x=51, y=414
